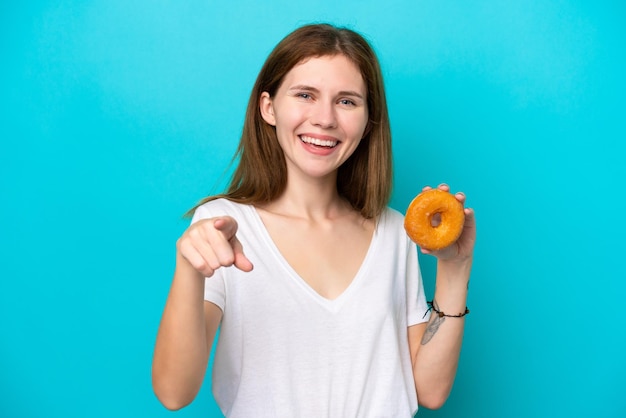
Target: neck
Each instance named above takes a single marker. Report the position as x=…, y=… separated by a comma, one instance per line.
x=311, y=198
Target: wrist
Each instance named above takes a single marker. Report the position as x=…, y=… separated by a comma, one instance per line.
x=452, y=285
x=454, y=272
x=186, y=270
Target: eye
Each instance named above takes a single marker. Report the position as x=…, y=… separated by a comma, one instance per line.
x=305, y=96
x=347, y=102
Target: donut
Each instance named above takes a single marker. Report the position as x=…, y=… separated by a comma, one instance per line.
x=418, y=221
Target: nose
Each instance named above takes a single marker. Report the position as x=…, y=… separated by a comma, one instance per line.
x=323, y=115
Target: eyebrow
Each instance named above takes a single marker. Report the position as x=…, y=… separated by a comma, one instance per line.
x=304, y=87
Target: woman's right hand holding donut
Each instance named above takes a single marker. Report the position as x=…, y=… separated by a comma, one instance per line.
x=212, y=243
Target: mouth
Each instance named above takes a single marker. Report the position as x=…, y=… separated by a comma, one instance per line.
x=324, y=143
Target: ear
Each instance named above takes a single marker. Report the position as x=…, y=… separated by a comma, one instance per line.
x=266, y=106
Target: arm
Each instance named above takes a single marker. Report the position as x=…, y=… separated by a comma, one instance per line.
x=435, y=347
x=189, y=324
x=184, y=339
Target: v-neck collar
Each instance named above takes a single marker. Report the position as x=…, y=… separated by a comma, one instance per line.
x=332, y=305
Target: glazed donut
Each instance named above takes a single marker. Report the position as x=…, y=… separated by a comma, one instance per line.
x=418, y=221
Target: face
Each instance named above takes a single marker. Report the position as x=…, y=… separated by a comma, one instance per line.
x=320, y=115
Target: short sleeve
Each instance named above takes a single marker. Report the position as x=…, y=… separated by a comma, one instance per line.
x=417, y=309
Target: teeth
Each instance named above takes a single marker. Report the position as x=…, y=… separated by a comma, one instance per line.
x=318, y=142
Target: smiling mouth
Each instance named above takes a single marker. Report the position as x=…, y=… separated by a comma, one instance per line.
x=318, y=142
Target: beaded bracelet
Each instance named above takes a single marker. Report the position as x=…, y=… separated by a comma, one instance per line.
x=441, y=314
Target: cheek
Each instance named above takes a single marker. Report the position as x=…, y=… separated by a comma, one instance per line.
x=287, y=120
x=357, y=126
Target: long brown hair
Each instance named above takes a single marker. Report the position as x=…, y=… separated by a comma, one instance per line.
x=365, y=179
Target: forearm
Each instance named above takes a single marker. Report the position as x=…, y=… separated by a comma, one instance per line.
x=436, y=360
x=181, y=351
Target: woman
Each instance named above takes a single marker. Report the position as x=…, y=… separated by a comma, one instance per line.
x=310, y=277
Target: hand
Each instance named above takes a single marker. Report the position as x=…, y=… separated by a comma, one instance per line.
x=211, y=243
x=463, y=248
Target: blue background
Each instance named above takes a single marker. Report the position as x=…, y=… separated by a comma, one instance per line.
x=117, y=116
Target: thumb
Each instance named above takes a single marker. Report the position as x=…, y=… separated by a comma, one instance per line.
x=241, y=261
x=228, y=226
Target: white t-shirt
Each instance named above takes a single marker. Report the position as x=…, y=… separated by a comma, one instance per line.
x=285, y=351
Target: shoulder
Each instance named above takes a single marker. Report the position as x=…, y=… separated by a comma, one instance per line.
x=391, y=218
x=220, y=207
x=391, y=225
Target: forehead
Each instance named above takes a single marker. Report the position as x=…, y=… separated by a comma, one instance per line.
x=328, y=71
